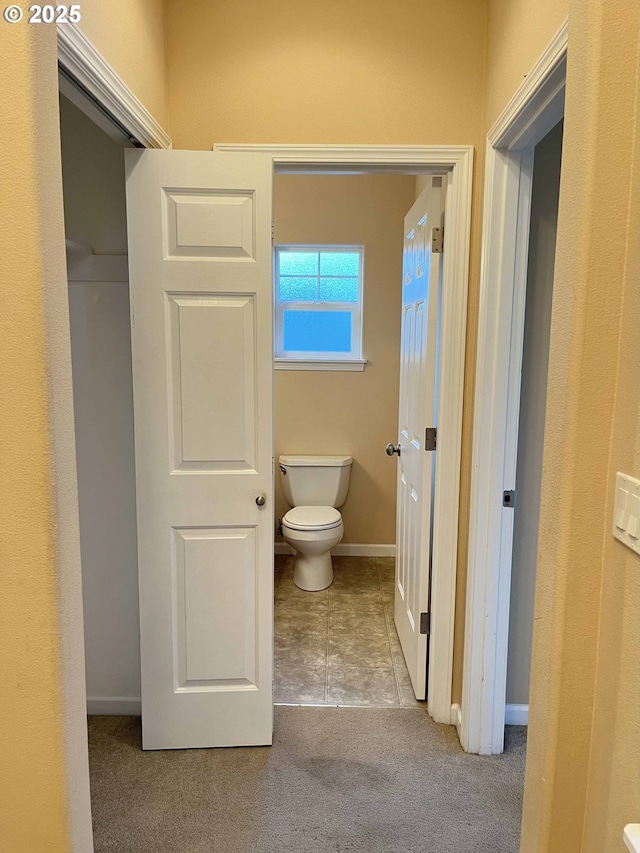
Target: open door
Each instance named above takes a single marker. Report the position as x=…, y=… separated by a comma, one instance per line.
x=200, y=276
x=421, y=299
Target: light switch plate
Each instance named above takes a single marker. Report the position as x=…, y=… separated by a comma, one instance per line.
x=626, y=511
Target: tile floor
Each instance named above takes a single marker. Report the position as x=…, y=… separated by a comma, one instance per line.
x=340, y=646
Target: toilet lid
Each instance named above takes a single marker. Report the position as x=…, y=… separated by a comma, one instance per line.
x=312, y=517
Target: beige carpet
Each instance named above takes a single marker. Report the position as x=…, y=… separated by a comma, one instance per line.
x=337, y=780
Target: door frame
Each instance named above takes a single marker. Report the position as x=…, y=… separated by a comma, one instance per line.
x=536, y=107
x=457, y=161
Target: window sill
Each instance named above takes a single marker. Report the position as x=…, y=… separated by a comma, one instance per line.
x=319, y=364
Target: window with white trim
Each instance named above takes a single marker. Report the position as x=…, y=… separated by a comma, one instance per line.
x=318, y=306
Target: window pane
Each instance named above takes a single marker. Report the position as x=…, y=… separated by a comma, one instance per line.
x=297, y=289
x=298, y=263
x=339, y=263
x=339, y=289
x=317, y=331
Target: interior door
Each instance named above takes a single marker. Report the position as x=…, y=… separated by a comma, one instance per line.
x=200, y=275
x=421, y=300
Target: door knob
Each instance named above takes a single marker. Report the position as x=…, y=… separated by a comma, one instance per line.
x=393, y=448
x=261, y=500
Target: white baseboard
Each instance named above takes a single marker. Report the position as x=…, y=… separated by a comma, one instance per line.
x=113, y=705
x=516, y=715
x=347, y=549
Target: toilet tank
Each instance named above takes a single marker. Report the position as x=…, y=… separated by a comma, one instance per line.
x=315, y=480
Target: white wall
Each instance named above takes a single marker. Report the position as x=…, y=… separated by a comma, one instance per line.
x=101, y=361
x=542, y=246
x=94, y=202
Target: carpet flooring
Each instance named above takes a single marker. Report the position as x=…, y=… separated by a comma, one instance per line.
x=336, y=780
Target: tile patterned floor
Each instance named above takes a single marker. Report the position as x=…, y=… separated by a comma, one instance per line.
x=340, y=646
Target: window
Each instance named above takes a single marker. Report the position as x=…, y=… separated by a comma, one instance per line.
x=318, y=307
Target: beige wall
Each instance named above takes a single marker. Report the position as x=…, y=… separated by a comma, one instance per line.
x=350, y=412
x=43, y=772
x=582, y=780
x=130, y=34
x=283, y=71
x=518, y=32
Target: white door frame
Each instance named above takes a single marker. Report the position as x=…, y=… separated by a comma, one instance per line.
x=457, y=161
x=537, y=106
x=105, y=90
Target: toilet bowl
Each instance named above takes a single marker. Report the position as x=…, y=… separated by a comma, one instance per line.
x=312, y=531
x=314, y=486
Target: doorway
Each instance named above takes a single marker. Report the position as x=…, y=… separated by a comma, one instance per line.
x=545, y=193
x=98, y=290
x=535, y=110
x=458, y=162
x=339, y=645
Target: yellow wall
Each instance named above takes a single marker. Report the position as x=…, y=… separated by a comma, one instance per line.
x=334, y=71
x=130, y=34
x=582, y=779
x=350, y=412
x=33, y=806
x=518, y=31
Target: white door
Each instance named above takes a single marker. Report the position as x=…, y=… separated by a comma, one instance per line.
x=200, y=274
x=418, y=394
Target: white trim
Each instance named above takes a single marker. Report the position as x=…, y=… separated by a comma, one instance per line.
x=632, y=837
x=85, y=64
x=457, y=162
x=540, y=89
x=347, y=549
x=536, y=107
x=114, y=705
x=516, y=715
x=356, y=364
x=411, y=159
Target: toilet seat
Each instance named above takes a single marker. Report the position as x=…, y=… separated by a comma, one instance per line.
x=312, y=518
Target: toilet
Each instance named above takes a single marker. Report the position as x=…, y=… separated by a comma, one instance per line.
x=314, y=486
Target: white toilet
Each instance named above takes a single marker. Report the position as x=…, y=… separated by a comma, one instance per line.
x=314, y=486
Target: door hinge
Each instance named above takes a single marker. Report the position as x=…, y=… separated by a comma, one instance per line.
x=509, y=498
x=425, y=623
x=437, y=239
x=430, y=438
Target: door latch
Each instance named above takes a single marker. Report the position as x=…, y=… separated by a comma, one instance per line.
x=430, y=438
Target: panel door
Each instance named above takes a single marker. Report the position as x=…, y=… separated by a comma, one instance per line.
x=418, y=394
x=199, y=228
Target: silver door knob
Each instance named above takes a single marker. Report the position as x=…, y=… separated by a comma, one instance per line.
x=261, y=500
x=393, y=448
